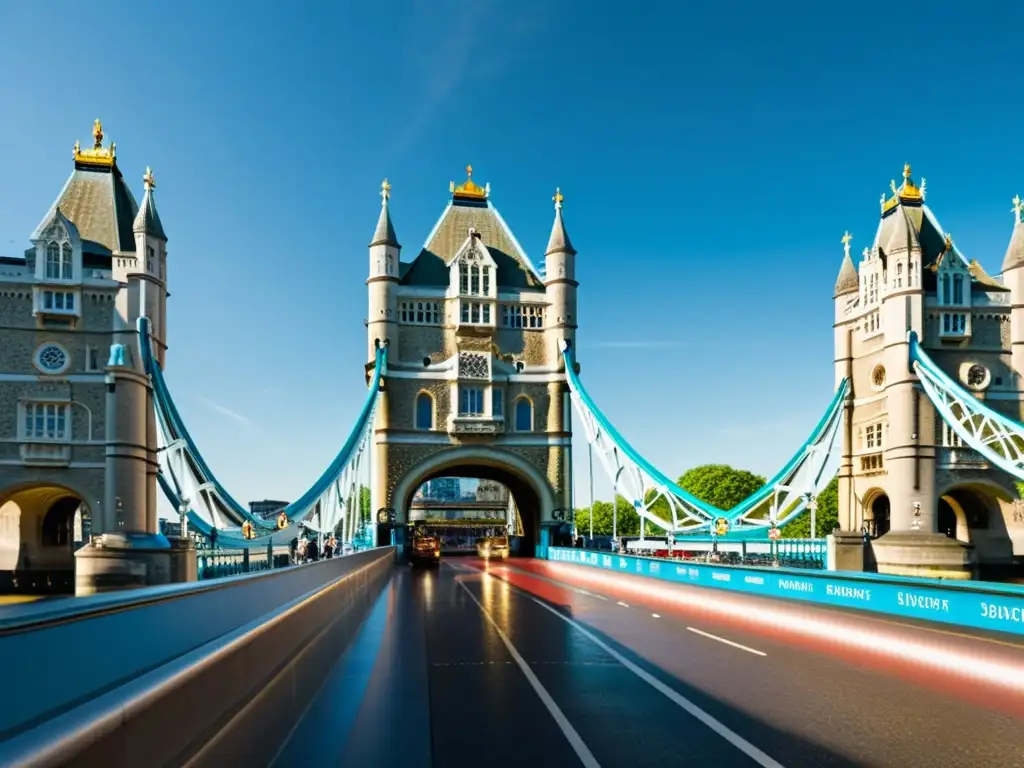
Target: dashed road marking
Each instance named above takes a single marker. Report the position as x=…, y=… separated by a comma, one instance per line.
x=727, y=642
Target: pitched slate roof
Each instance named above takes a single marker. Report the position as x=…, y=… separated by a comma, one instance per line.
x=430, y=267
x=102, y=207
x=147, y=219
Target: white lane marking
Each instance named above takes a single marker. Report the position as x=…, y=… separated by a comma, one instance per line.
x=582, y=751
x=718, y=727
x=727, y=642
x=624, y=605
x=599, y=597
x=655, y=615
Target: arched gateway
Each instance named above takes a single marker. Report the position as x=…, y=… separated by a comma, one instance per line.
x=475, y=385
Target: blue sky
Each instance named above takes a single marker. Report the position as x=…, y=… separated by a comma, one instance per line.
x=711, y=154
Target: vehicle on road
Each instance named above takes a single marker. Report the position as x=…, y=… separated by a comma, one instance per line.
x=492, y=547
x=426, y=550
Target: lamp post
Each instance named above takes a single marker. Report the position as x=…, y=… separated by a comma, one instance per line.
x=812, y=504
x=183, y=516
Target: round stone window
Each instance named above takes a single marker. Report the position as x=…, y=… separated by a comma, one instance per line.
x=52, y=358
x=878, y=377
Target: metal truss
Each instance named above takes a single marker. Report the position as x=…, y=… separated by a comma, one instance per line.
x=782, y=499
x=332, y=503
x=998, y=438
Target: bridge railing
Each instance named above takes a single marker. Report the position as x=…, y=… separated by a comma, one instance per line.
x=219, y=563
x=203, y=650
x=980, y=605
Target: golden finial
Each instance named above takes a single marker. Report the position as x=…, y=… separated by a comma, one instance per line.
x=949, y=242
x=469, y=189
x=906, y=171
x=1018, y=205
x=385, y=190
x=148, y=181
x=97, y=134
x=78, y=147
x=558, y=198
x=846, y=239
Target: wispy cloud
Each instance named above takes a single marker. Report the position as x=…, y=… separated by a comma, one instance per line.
x=224, y=411
x=635, y=344
x=268, y=391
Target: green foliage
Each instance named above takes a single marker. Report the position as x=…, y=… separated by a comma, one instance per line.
x=1020, y=489
x=826, y=517
x=628, y=520
x=720, y=484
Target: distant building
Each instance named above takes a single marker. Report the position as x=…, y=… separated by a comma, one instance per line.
x=266, y=508
x=491, y=490
x=443, y=489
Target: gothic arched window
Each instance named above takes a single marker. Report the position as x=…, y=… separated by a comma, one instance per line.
x=65, y=261
x=424, y=411
x=524, y=415
x=52, y=261
x=945, y=289
x=958, y=289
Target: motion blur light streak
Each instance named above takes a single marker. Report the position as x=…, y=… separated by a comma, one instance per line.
x=879, y=642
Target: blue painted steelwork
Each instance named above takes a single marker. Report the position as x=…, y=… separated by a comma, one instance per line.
x=701, y=514
x=297, y=511
x=998, y=438
x=981, y=605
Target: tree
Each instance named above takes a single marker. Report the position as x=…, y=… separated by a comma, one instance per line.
x=826, y=517
x=628, y=523
x=720, y=484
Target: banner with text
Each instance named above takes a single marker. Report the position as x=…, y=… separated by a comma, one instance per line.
x=983, y=605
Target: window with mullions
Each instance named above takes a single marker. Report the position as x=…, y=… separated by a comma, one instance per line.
x=474, y=279
x=419, y=312
x=471, y=401
x=46, y=421
x=58, y=261
x=475, y=312
x=522, y=316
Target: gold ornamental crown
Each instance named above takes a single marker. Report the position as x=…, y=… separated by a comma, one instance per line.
x=98, y=155
x=907, y=192
x=469, y=189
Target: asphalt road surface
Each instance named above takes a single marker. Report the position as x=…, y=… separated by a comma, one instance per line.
x=524, y=664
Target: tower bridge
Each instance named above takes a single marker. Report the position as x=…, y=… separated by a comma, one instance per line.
x=472, y=370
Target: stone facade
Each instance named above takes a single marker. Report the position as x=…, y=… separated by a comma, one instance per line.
x=63, y=304
x=932, y=505
x=476, y=383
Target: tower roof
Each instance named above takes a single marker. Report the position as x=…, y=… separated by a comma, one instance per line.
x=847, y=281
x=907, y=193
x=1015, y=250
x=465, y=212
x=147, y=219
x=902, y=232
x=384, y=234
x=97, y=199
x=559, y=241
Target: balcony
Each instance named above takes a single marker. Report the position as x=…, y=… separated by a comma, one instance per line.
x=871, y=463
x=46, y=454
x=475, y=425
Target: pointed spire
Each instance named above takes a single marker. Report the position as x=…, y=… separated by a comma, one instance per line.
x=147, y=220
x=384, y=234
x=847, y=281
x=1015, y=251
x=559, y=241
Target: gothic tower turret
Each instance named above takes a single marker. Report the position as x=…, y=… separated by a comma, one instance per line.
x=1013, y=278
x=909, y=454
x=846, y=290
x=560, y=283
x=151, y=271
x=381, y=327
x=381, y=322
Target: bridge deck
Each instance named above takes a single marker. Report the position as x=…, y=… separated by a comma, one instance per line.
x=517, y=667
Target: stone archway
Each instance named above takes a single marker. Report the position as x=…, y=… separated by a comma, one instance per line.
x=532, y=493
x=876, y=513
x=38, y=526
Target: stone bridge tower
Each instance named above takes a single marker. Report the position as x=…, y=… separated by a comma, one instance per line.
x=476, y=381
x=929, y=505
